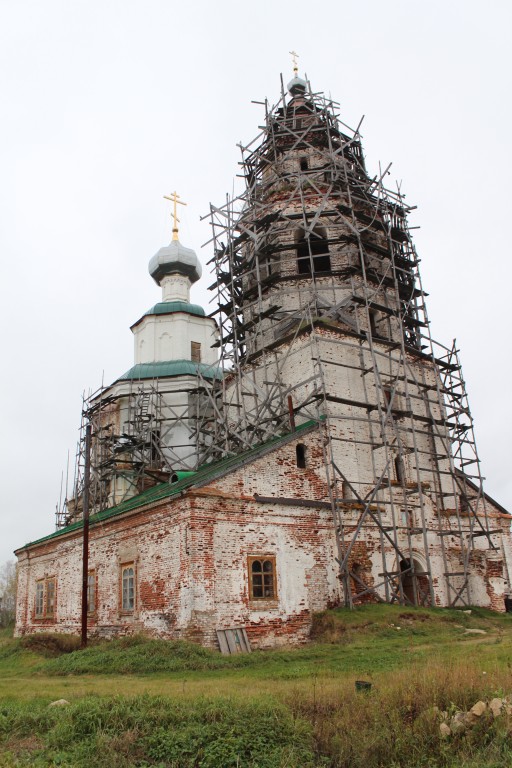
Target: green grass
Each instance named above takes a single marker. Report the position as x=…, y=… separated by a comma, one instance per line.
x=142, y=702
x=374, y=638
x=155, y=731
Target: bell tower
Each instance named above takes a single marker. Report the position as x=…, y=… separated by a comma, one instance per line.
x=323, y=317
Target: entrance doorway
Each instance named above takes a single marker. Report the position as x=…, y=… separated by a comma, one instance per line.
x=415, y=582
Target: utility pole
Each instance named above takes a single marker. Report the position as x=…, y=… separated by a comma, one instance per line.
x=85, y=555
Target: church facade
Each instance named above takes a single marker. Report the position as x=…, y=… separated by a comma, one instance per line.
x=308, y=446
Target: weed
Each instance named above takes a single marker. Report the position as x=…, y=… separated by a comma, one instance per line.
x=210, y=733
x=50, y=643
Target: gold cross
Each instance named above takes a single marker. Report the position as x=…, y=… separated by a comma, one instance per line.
x=174, y=198
x=294, y=59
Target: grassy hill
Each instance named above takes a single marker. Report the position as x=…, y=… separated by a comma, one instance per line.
x=142, y=702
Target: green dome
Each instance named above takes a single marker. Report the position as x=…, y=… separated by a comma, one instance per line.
x=171, y=368
x=168, y=307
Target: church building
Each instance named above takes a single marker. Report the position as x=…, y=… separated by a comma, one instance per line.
x=307, y=445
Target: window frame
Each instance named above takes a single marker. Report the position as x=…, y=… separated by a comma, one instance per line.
x=313, y=255
x=127, y=611
x=251, y=559
x=39, y=601
x=45, y=599
x=50, y=594
x=91, y=587
x=195, y=351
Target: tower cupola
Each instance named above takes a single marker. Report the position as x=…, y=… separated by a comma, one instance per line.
x=175, y=267
x=297, y=86
x=175, y=259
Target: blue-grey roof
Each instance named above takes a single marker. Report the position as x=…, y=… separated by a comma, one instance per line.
x=175, y=258
x=297, y=86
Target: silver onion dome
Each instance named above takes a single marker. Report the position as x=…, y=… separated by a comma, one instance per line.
x=175, y=259
x=297, y=86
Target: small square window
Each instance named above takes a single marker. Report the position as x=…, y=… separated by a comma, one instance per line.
x=262, y=577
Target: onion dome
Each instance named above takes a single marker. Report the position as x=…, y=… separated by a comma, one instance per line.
x=175, y=259
x=297, y=86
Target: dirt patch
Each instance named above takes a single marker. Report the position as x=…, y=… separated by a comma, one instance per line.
x=409, y=616
x=20, y=746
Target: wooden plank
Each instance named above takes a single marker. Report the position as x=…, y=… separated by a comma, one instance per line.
x=223, y=645
x=233, y=640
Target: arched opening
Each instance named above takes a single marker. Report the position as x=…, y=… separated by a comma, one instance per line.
x=300, y=451
x=357, y=573
x=399, y=469
x=415, y=582
x=312, y=251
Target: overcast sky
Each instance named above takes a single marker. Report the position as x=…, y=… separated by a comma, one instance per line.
x=108, y=105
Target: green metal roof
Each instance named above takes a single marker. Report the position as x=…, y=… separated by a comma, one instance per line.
x=168, y=307
x=205, y=474
x=171, y=368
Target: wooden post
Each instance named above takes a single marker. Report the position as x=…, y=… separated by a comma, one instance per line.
x=85, y=555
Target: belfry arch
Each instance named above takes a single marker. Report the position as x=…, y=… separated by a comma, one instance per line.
x=312, y=251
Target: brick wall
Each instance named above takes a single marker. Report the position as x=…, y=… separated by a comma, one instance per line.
x=190, y=558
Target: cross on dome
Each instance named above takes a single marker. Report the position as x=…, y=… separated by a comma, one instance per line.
x=175, y=199
x=295, y=56
x=175, y=259
x=297, y=86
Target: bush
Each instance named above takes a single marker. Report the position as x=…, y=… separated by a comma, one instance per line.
x=136, y=654
x=50, y=643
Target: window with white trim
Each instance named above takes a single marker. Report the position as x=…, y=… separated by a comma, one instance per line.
x=45, y=599
x=91, y=592
x=128, y=587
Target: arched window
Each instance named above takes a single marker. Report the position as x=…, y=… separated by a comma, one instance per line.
x=300, y=451
x=128, y=587
x=312, y=249
x=262, y=578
